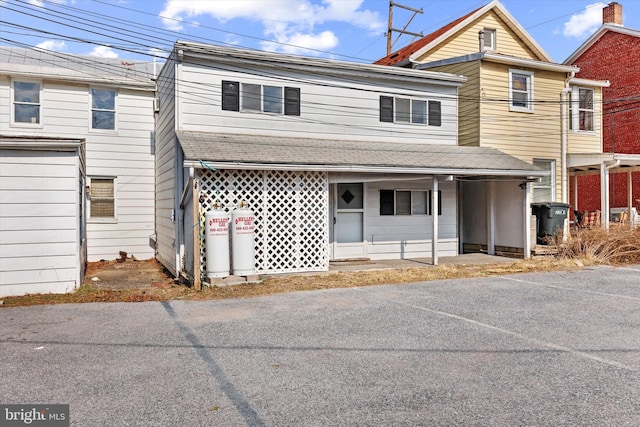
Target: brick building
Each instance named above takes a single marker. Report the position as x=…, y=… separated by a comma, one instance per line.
x=613, y=53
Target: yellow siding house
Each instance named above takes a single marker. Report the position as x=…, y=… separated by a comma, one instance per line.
x=516, y=99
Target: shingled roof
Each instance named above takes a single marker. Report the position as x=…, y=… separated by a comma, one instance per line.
x=238, y=150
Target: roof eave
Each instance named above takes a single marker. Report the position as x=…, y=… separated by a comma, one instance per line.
x=334, y=66
x=596, y=36
x=365, y=169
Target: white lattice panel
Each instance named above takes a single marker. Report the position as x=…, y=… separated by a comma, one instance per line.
x=291, y=211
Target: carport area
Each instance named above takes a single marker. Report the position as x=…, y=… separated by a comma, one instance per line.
x=543, y=349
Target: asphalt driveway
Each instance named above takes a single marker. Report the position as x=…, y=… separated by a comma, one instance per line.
x=543, y=349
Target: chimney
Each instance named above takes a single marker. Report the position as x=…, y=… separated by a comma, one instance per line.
x=612, y=14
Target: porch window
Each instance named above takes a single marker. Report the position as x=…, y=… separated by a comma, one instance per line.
x=544, y=191
x=238, y=96
x=581, y=118
x=407, y=202
x=103, y=109
x=521, y=91
x=102, y=198
x=26, y=102
x=408, y=110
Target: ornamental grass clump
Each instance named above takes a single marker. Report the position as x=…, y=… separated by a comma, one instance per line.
x=618, y=245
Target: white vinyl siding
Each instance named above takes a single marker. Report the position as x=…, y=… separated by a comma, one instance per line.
x=127, y=153
x=166, y=172
x=330, y=107
x=39, y=221
x=409, y=236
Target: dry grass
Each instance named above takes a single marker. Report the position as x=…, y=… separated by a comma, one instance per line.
x=282, y=284
x=619, y=245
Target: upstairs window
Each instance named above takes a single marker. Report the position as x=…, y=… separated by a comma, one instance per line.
x=520, y=91
x=408, y=110
x=26, y=102
x=581, y=112
x=103, y=109
x=238, y=96
x=489, y=39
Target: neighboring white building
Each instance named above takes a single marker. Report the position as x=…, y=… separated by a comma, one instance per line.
x=76, y=137
x=338, y=160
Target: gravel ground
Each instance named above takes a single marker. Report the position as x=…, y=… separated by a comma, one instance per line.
x=543, y=349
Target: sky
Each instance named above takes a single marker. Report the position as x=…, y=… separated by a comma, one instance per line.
x=351, y=30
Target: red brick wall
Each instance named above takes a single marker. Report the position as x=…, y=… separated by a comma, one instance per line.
x=614, y=57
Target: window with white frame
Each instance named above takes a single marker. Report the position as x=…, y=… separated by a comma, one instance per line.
x=581, y=109
x=489, y=39
x=544, y=191
x=26, y=102
x=407, y=202
x=103, y=109
x=238, y=96
x=520, y=91
x=102, y=198
x=409, y=110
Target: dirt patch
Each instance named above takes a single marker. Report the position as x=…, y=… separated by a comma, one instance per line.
x=127, y=274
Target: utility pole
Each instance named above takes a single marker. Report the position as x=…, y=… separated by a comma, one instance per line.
x=390, y=28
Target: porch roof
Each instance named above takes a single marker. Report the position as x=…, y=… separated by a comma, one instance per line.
x=590, y=163
x=243, y=151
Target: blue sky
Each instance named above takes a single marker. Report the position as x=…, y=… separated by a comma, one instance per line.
x=342, y=29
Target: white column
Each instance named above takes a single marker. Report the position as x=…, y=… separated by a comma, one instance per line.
x=629, y=194
x=604, y=195
x=575, y=192
x=434, y=216
x=491, y=233
x=527, y=220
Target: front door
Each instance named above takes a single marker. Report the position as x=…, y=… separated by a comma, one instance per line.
x=348, y=230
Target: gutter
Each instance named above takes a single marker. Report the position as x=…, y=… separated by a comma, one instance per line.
x=365, y=169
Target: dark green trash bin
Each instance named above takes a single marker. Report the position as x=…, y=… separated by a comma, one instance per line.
x=550, y=217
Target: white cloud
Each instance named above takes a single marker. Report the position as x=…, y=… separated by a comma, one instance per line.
x=301, y=44
x=586, y=22
x=55, y=45
x=292, y=22
x=103, y=52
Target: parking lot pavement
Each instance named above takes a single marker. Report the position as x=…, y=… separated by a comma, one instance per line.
x=559, y=348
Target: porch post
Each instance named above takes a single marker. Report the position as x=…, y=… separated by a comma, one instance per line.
x=434, y=223
x=195, y=205
x=527, y=220
x=604, y=195
x=491, y=233
x=629, y=194
x=575, y=192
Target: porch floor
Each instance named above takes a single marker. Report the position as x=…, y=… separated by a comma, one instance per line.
x=465, y=259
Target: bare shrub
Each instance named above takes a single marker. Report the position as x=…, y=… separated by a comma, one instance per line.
x=618, y=245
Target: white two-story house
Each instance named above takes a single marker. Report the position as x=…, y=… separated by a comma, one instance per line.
x=76, y=166
x=337, y=160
